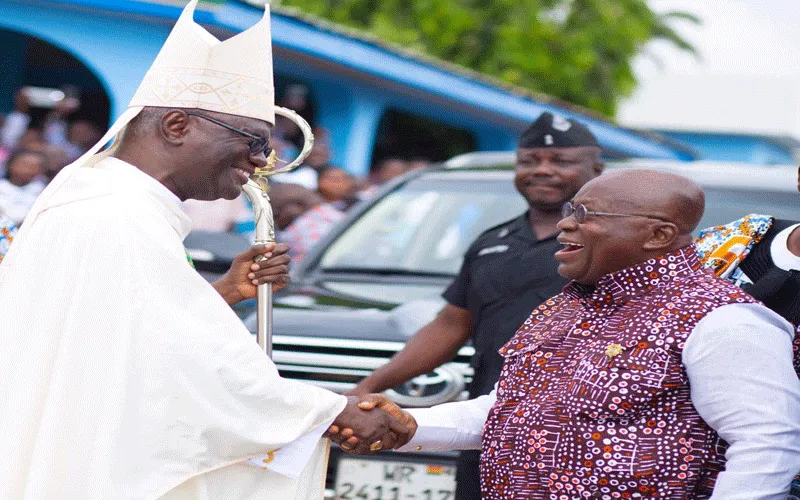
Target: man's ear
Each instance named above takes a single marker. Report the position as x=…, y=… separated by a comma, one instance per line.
x=662, y=237
x=599, y=166
x=174, y=126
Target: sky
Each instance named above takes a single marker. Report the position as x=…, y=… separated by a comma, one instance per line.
x=746, y=77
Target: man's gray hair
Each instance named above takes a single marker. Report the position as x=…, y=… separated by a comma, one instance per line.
x=144, y=122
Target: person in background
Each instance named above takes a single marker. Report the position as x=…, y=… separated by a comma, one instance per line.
x=418, y=163
x=54, y=130
x=81, y=135
x=295, y=97
x=302, y=217
x=31, y=139
x=22, y=183
x=17, y=122
x=385, y=171
x=337, y=187
x=388, y=169
x=761, y=254
x=57, y=159
x=307, y=175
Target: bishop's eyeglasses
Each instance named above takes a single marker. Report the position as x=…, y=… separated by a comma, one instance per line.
x=256, y=146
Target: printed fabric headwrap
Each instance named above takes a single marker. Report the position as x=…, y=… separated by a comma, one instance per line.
x=723, y=248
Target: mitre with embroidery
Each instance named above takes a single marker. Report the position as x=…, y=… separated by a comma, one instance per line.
x=195, y=70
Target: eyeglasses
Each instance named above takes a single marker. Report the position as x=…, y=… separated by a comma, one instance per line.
x=257, y=146
x=580, y=212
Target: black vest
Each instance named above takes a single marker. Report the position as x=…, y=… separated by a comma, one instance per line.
x=777, y=289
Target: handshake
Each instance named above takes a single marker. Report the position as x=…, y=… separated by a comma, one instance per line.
x=370, y=424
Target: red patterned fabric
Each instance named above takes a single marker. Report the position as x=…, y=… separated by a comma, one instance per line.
x=593, y=400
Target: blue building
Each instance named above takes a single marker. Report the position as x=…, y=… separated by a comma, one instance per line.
x=374, y=100
x=739, y=147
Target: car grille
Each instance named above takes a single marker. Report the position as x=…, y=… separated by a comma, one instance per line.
x=339, y=364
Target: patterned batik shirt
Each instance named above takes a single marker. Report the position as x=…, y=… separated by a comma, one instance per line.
x=593, y=400
x=7, y=232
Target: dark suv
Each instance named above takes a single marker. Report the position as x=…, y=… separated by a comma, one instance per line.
x=378, y=275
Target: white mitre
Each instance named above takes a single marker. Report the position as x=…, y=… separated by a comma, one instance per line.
x=194, y=70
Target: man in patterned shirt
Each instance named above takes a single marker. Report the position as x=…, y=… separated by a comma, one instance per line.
x=646, y=378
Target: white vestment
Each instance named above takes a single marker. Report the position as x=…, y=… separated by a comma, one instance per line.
x=124, y=375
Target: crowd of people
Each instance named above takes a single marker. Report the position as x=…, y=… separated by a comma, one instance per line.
x=36, y=144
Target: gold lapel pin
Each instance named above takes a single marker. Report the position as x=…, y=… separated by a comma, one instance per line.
x=614, y=350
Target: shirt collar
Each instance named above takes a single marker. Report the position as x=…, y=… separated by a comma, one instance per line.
x=779, y=250
x=620, y=287
x=521, y=226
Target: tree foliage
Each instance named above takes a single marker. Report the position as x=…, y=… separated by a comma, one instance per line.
x=577, y=50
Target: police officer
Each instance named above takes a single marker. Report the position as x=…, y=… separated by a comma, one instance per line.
x=507, y=272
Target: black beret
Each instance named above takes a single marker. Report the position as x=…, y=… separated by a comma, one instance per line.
x=553, y=131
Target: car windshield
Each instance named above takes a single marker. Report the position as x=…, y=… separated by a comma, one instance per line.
x=424, y=227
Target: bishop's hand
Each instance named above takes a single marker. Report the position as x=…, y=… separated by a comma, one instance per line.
x=360, y=430
x=246, y=272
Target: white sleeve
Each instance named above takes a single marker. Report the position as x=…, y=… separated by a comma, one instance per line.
x=451, y=426
x=739, y=363
x=293, y=457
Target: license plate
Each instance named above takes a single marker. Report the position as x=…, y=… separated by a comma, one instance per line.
x=359, y=479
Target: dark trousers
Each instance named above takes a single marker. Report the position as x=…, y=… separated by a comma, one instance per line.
x=468, y=475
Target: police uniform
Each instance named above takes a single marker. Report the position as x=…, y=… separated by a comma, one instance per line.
x=506, y=274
